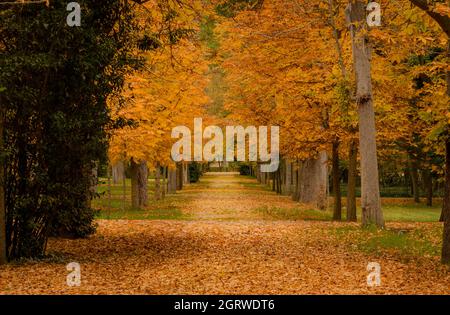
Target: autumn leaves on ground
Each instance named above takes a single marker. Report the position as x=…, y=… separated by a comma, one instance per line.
x=231, y=235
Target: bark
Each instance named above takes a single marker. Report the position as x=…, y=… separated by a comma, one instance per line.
x=185, y=173
x=446, y=207
x=337, y=211
x=414, y=174
x=370, y=190
x=179, y=176
x=313, y=178
x=445, y=214
x=108, y=174
x=92, y=174
x=118, y=172
x=442, y=20
x=428, y=186
x=158, y=182
x=351, y=184
x=3, y=256
x=288, y=178
x=139, y=191
x=258, y=173
x=164, y=183
x=124, y=192
x=172, y=181
x=295, y=188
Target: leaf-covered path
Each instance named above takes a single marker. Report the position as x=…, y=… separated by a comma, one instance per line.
x=227, y=246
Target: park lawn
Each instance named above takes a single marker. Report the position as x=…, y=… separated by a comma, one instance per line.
x=405, y=242
x=403, y=211
x=411, y=230
x=113, y=206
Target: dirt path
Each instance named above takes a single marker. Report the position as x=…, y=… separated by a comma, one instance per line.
x=227, y=247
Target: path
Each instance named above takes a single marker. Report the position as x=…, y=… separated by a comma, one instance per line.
x=227, y=247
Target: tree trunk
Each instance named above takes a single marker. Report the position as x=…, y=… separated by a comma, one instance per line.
x=172, y=181
x=124, y=192
x=428, y=186
x=337, y=211
x=118, y=172
x=92, y=173
x=164, y=183
x=185, y=173
x=3, y=250
x=446, y=204
x=313, y=178
x=139, y=191
x=158, y=182
x=108, y=174
x=446, y=207
x=288, y=178
x=445, y=214
x=295, y=188
x=370, y=189
x=179, y=176
x=351, y=183
x=413, y=171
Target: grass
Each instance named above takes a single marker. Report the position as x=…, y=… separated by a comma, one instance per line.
x=113, y=206
x=143, y=214
x=411, y=213
x=424, y=241
x=392, y=213
x=294, y=214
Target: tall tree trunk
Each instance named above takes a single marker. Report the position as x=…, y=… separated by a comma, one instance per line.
x=428, y=186
x=172, y=181
x=118, y=172
x=313, y=179
x=3, y=256
x=295, y=180
x=124, y=192
x=179, y=176
x=92, y=174
x=108, y=174
x=164, y=182
x=337, y=210
x=370, y=189
x=185, y=173
x=414, y=173
x=446, y=207
x=351, y=183
x=158, y=182
x=139, y=191
x=288, y=178
x=446, y=204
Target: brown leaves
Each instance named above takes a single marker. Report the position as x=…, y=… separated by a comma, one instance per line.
x=227, y=249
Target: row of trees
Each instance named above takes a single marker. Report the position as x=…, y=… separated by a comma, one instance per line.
x=316, y=69
x=63, y=91
x=111, y=90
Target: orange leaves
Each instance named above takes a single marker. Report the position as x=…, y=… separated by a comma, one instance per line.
x=168, y=92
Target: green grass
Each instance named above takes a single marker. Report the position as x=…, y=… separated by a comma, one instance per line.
x=294, y=214
x=138, y=214
x=392, y=213
x=403, y=243
x=112, y=205
x=411, y=213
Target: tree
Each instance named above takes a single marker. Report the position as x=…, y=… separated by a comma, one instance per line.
x=56, y=83
x=441, y=15
x=3, y=244
x=370, y=190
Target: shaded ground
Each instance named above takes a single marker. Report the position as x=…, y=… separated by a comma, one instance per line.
x=233, y=242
